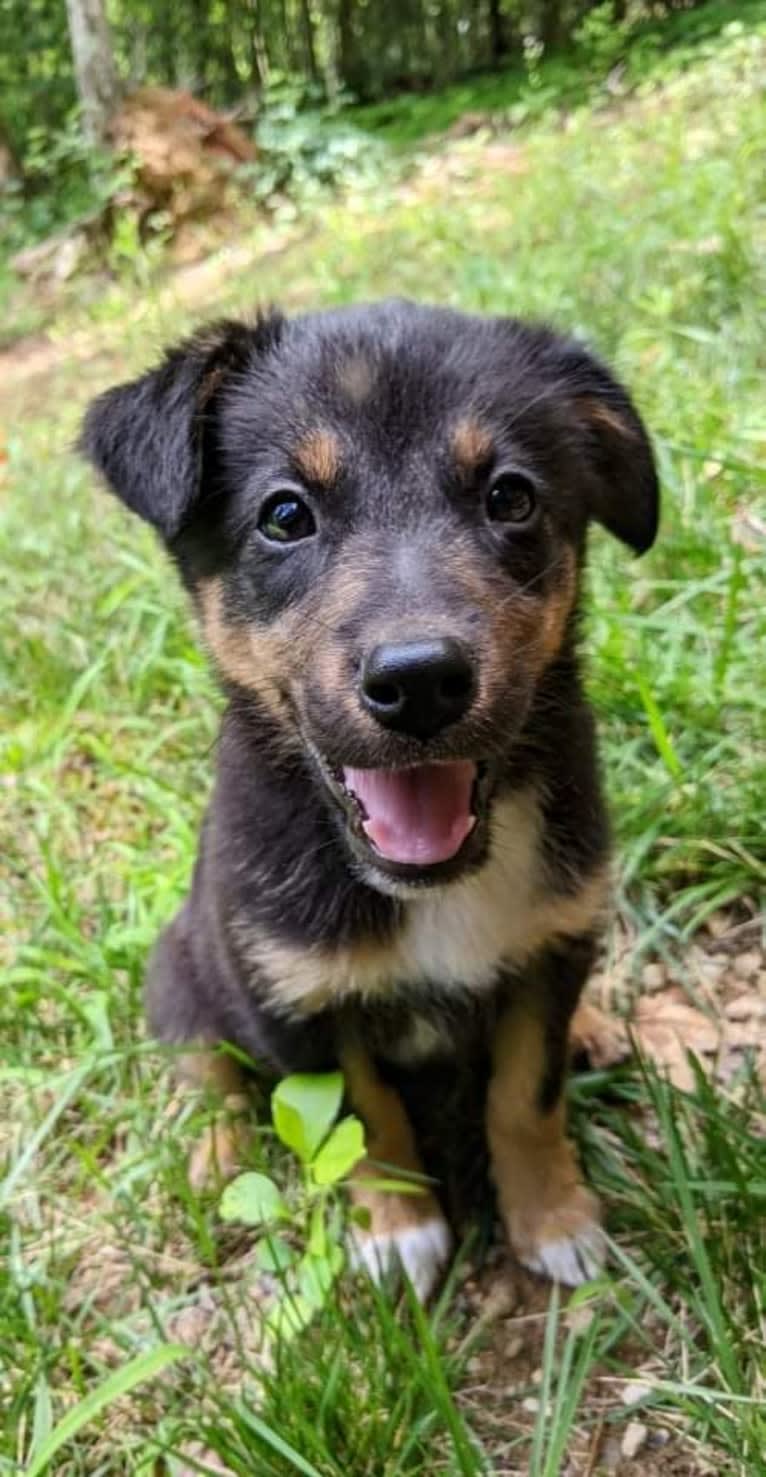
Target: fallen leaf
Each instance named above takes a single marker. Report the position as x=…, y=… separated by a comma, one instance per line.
x=666, y=1028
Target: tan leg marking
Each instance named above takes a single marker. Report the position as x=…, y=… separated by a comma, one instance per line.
x=603, y=1039
x=552, y=1220
x=405, y=1229
x=220, y=1151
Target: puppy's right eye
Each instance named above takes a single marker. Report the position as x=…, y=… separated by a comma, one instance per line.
x=285, y=519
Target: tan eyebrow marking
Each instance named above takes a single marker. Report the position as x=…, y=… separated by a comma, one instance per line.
x=598, y=412
x=317, y=456
x=471, y=444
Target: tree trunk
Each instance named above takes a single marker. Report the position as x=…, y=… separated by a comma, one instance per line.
x=307, y=26
x=550, y=24
x=498, y=41
x=346, y=48
x=97, y=85
x=259, y=58
x=10, y=169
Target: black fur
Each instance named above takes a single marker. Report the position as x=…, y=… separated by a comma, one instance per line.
x=194, y=447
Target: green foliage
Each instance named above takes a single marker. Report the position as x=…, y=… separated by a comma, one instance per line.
x=601, y=37
x=65, y=179
x=304, y=1109
x=303, y=150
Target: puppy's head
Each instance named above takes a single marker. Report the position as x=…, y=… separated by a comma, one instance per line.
x=381, y=514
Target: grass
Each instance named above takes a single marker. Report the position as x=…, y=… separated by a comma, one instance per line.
x=642, y=227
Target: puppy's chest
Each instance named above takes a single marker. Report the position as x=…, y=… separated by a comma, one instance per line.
x=450, y=941
x=449, y=946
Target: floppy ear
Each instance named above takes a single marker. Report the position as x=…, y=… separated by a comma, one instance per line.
x=624, y=494
x=153, y=439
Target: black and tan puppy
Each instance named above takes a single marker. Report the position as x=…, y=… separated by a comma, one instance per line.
x=381, y=514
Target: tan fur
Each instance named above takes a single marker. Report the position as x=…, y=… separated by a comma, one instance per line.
x=601, y=414
x=471, y=445
x=390, y=1148
x=558, y=607
x=460, y=934
x=602, y=1038
x=219, y=1151
x=254, y=658
x=540, y=1191
x=211, y=1070
x=317, y=457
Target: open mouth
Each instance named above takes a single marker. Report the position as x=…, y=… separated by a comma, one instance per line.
x=418, y=823
x=416, y=817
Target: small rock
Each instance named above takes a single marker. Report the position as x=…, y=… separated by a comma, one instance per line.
x=635, y=1392
x=514, y=1346
x=634, y=1438
x=748, y=964
x=531, y=1404
x=501, y=1300
x=474, y=1365
x=654, y=976
x=658, y=1439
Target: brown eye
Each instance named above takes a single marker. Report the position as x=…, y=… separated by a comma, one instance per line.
x=285, y=519
x=512, y=499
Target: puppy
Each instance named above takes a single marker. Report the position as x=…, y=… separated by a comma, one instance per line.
x=381, y=516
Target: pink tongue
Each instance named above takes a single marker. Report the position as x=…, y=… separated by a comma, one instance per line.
x=419, y=816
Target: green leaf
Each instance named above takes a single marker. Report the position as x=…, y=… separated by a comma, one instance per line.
x=303, y=1108
x=317, y=1244
x=316, y=1275
x=274, y=1255
x=253, y=1199
x=343, y=1149
x=144, y=1367
x=292, y=1315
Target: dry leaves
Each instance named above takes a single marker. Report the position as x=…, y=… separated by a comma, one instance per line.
x=667, y=1029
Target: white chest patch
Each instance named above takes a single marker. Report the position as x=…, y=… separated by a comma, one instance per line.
x=459, y=935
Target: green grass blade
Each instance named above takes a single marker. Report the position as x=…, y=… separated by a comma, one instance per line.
x=278, y=1443
x=143, y=1368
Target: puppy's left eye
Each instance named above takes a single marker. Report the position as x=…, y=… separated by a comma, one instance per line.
x=512, y=499
x=285, y=518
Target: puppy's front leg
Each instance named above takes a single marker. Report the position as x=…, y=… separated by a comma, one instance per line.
x=222, y=1147
x=405, y=1229
x=552, y=1220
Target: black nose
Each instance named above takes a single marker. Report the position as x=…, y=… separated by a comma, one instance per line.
x=418, y=687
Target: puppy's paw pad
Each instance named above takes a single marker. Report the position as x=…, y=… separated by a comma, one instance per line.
x=570, y=1259
x=422, y=1250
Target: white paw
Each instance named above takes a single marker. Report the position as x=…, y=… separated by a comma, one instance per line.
x=422, y=1250
x=570, y=1259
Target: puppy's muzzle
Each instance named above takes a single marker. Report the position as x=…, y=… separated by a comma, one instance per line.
x=418, y=687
